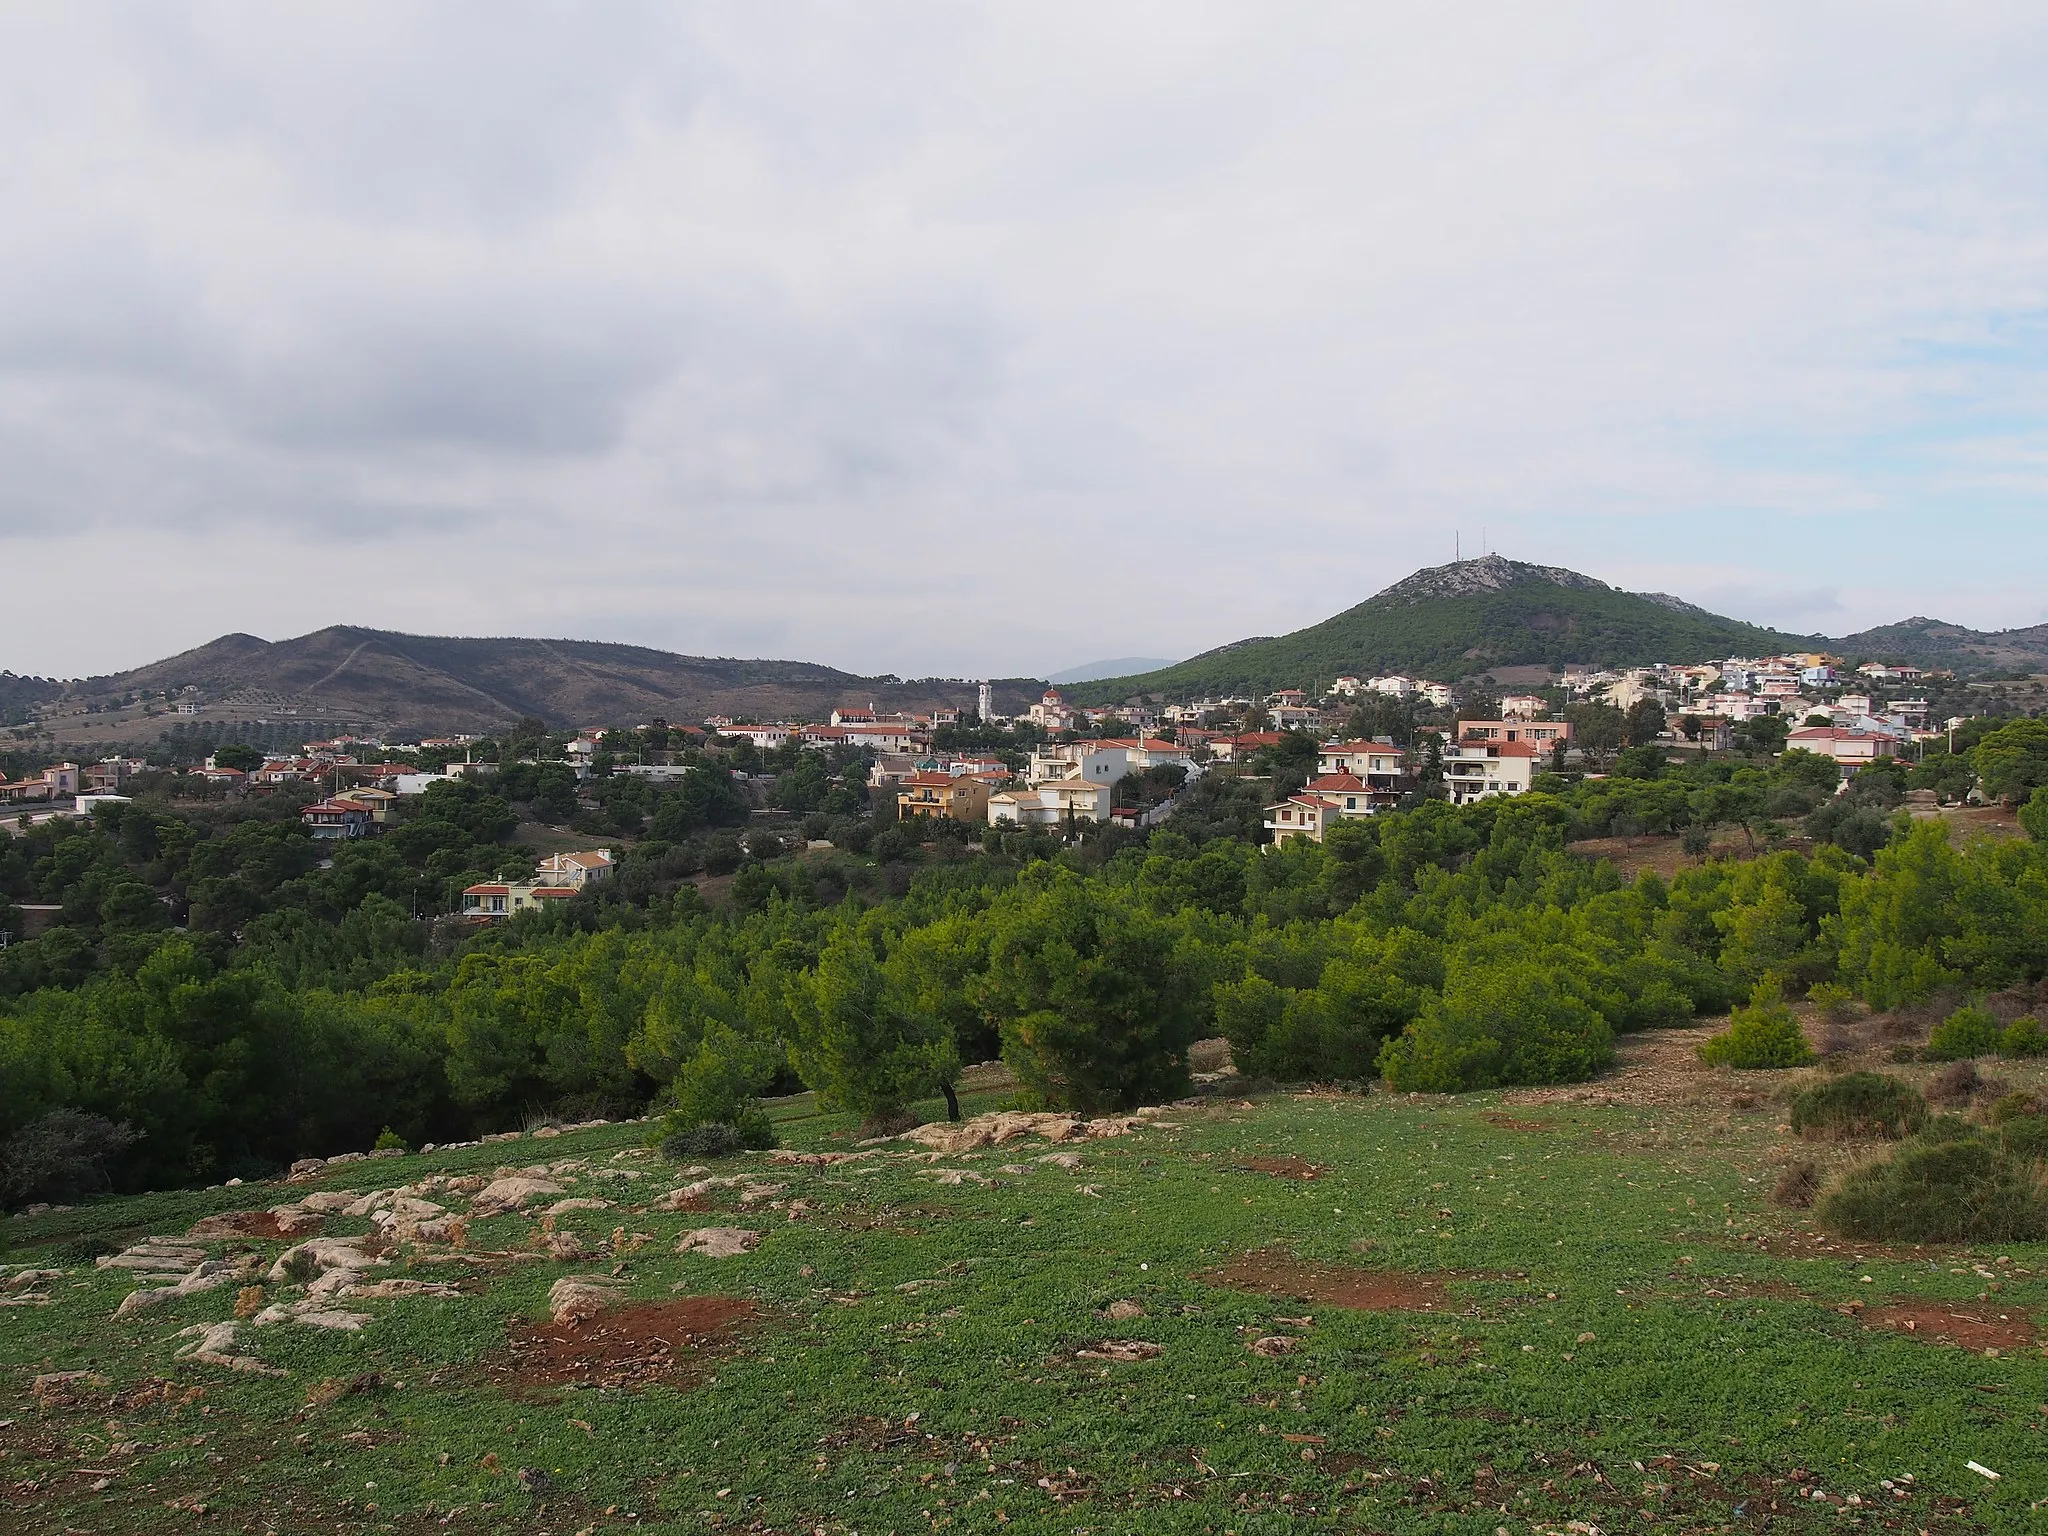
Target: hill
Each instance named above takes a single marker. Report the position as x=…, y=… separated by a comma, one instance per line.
x=1934, y=643
x=1452, y=621
x=425, y=683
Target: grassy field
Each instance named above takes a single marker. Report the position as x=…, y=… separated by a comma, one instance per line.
x=1502, y=1312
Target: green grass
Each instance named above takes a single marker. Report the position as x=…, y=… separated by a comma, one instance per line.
x=1614, y=1221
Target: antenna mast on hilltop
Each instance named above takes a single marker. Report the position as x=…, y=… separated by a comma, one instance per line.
x=1457, y=548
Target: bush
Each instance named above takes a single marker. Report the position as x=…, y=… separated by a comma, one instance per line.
x=62, y=1155
x=389, y=1140
x=1861, y=1104
x=1498, y=1027
x=2024, y=1036
x=1966, y=1033
x=1960, y=1081
x=719, y=1086
x=1796, y=1186
x=1765, y=1034
x=1962, y=1187
x=2026, y=1137
x=710, y=1139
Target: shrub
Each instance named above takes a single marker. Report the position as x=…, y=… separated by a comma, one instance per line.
x=62, y=1155
x=719, y=1086
x=2026, y=1137
x=1765, y=1034
x=1966, y=1033
x=1796, y=1186
x=1962, y=1187
x=1959, y=1081
x=1861, y=1104
x=709, y=1139
x=389, y=1140
x=1498, y=1027
x=2024, y=1036
x=2014, y=1106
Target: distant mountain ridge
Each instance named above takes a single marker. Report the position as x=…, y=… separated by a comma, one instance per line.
x=1452, y=621
x=412, y=684
x=1445, y=622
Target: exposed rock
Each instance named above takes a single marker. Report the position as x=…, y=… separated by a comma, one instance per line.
x=1122, y=1351
x=305, y=1170
x=1067, y=1160
x=718, y=1242
x=1272, y=1346
x=564, y=1246
x=329, y=1201
x=25, y=1279
x=577, y=1203
x=325, y=1254
x=208, y=1276
x=580, y=1296
x=388, y=1290
x=954, y=1175
x=405, y=1215
x=753, y=1194
x=1122, y=1311
x=813, y=1159
x=993, y=1130
x=511, y=1192
x=213, y=1343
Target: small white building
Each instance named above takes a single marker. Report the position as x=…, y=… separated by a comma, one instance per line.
x=1050, y=804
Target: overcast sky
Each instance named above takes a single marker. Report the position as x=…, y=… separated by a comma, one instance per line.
x=949, y=338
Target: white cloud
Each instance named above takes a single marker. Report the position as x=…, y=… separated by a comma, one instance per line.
x=974, y=338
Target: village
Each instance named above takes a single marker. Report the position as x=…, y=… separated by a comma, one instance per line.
x=1065, y=766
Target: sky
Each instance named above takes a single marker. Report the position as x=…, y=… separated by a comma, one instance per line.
x=977, y=339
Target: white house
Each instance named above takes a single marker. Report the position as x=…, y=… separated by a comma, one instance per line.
x=1050, y=804
x=1475, y=770
x=1094, y=762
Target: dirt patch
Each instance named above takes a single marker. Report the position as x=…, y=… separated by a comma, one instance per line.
x=1977, y=1327
x=635, y=1346
x=1272, y=1273
x=1282, y=1167
x=262, y=1224
x=1510, y=1123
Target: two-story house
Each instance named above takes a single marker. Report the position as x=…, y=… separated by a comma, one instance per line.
x=1475, y=770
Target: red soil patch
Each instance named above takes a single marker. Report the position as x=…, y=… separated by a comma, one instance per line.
x=1282, y=1167
x=632, y=1346
x=1271, y=1273
x=1510, y=1123
x=263, y=1224
x=1970, y=1325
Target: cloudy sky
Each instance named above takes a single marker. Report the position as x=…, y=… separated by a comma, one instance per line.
x=961, y=339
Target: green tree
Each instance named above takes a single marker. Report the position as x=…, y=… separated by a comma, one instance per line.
x=238, y=755
x=2012, y=762
x=1093, y=1002
x=864, y=1043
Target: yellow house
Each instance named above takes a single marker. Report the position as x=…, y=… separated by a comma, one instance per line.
x=938, y=794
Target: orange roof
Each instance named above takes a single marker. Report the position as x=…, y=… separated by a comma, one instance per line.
x=1337, y=783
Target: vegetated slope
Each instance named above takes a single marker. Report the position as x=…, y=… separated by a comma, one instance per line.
x=1450, y=621
x=17, y=692
x=1934, y=643
x=429, y=682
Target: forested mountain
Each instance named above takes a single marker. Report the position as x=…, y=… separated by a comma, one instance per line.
x=1452, y=620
